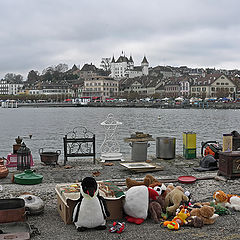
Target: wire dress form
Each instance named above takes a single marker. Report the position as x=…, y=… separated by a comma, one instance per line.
x=110, y=148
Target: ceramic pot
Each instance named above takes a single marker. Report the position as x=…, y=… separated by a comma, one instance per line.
x=3, y=170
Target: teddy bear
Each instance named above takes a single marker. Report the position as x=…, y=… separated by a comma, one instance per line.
x=194, y=221
x=174, y=198
x=156, y=208
x=206, y=213
x=148, y=180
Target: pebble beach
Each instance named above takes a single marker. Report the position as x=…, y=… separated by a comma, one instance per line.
x=51, y=226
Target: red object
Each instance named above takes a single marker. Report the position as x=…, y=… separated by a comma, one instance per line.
x=134, y=220
x=187, y=179
x=117, y=227
x=152, y=194
x=12, y=160
x=208, y=151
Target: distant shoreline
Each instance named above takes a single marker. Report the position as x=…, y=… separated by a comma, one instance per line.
x=136, y=105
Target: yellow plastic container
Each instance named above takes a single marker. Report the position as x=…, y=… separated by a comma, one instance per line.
x=227, y=142
x=189, y=140
x=189, y=145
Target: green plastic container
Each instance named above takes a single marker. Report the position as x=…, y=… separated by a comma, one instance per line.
x=189, y=153
x=28, y=177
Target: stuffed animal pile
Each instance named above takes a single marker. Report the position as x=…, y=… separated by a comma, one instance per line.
x=178, y=220
x=163, y=204
x=169, y=205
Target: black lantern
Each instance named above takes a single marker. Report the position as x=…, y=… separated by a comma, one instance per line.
x=23, y=157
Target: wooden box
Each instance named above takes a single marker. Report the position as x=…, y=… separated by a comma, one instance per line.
x=67, y=202
x=229, y=164
x=12, y=210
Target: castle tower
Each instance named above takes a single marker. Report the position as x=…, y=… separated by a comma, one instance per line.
x=131, y=62
x=112, y=67
x=145, y=66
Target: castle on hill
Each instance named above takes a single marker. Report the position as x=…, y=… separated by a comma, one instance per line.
x=124, y=67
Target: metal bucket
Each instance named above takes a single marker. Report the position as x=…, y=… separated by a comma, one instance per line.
x=139, y=151
x=165, y=147
x=49, y=158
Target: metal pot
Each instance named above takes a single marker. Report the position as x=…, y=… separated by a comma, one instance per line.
x=49, y=158
x=165, y=147
x=3, y=170
x=139, y=151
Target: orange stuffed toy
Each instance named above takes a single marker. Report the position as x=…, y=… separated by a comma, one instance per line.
x=179, y=220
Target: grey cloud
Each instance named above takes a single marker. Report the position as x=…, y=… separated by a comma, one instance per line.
x=36, y=34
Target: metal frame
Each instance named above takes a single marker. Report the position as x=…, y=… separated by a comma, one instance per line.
x=80, y=142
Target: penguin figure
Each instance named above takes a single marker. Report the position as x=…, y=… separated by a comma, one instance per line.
x=91, y=210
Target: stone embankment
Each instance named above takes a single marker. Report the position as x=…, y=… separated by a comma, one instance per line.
x=210, y=105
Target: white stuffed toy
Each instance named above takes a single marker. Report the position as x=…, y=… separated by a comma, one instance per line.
x=137, y=202
x=234, y=203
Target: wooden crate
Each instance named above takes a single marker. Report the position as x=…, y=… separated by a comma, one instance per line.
x=65, y=207
x=229, y=164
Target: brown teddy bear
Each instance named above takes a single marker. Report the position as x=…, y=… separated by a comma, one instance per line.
x=206, y=213
x=174, y=199
x=156, y=208
x=194, y=221
x=148, y=180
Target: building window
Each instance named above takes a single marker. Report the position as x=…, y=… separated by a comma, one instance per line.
x=198, y=89
x=226, y=83
x=213, y=89
x=231, y=89
x=222, y=83
x=204, y=89
x=194, y=89
x=218, y=83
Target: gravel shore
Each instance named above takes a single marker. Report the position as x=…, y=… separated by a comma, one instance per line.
x=51, y=226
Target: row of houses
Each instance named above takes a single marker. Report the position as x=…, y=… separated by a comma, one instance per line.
x=123, y=77
x=211, y=85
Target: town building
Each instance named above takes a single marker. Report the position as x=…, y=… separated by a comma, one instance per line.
x=165, y=72
x=56, y=89
x=124, y=67
x=100, y=87
x=144, y=85
x=89, y=71
x=172, y=88
x=213, y=86
x=7, y=88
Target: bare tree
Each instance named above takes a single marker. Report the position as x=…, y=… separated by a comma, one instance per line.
x=105, y=64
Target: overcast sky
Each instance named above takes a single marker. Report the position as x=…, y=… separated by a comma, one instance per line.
x=35, y=34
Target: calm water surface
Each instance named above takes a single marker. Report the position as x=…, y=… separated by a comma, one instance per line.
x=49, y=125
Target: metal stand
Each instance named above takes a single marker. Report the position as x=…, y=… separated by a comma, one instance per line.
x=110, y=148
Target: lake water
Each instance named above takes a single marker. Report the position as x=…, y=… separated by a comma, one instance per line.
x=49, y=125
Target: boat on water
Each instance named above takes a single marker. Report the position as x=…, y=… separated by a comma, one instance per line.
x=9, y=104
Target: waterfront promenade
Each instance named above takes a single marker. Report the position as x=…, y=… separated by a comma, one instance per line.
x=51, y=226
x=211, y=105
